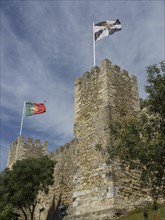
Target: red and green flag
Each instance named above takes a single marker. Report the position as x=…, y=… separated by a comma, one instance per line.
x=34, y=108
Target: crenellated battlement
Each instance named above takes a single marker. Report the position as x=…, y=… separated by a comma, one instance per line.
x=83, y=179
x=23, y=148
x=101, y=93
x=106, y=66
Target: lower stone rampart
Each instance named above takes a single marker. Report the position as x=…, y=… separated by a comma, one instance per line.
x=130, y=193
x=110, y=191
x=62, y=190
x=97, y=215
x=83, y=180
x=92, y=187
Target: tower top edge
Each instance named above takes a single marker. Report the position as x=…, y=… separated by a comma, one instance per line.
x=105, y=65
x=22, y=140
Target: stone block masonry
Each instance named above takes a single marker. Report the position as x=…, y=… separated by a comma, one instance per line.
x=22, y=149
x=92, y=188
x=100, y=96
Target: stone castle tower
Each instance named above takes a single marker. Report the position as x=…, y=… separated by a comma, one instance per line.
x=92, y=188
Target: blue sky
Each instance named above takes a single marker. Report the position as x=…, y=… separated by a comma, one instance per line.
x=46, y=45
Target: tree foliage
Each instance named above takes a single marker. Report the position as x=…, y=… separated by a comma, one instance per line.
x=7, y=213
x=156, y=88
x=141, y=140
x=19, y=187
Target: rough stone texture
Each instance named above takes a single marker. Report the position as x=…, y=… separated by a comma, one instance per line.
x=22, y=149
x=92, y=188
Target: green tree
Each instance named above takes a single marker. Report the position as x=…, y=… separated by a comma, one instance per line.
x=141, y=140
x=19, y=187
x=156, y=88
x=7, y=213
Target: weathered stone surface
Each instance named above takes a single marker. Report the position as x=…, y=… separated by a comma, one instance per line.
x=84, y=181
x=21, y=149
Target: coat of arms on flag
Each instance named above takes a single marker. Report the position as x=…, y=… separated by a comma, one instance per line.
x=29, y=109
x=106, y=28
x=34, y=108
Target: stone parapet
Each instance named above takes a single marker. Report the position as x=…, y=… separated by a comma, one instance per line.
x=92, y=188
x=21, y=149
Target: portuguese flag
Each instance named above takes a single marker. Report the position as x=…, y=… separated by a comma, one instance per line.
x=34, y=108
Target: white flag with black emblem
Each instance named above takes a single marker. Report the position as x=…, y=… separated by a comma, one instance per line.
x=106, y=28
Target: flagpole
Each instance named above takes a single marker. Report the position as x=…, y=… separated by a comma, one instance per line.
x=23, y=111
x=94, y=49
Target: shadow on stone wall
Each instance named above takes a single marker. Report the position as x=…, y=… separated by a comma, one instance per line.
x=53, y=213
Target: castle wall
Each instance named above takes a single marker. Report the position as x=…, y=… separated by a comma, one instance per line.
x=100, y=96
x=62, y=190
x=122, y=90
x=22, y=149
x=91, y=126
x=92, y=188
